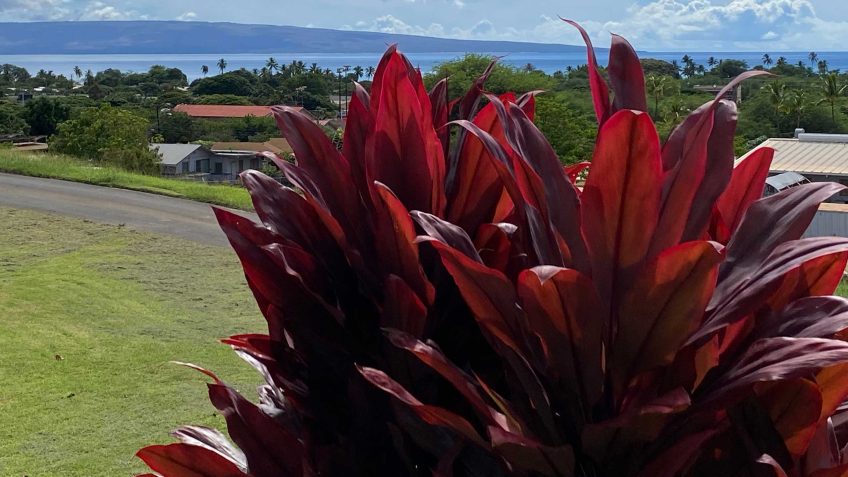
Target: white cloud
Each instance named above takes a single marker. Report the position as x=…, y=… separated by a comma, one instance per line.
x=187, y=17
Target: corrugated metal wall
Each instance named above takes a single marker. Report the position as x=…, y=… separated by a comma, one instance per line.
x=829, y=224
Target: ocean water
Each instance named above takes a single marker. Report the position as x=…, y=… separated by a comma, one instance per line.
x=191, y=64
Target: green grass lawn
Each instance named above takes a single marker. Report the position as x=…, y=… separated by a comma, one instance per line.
x=90, y=317
x=56, y=166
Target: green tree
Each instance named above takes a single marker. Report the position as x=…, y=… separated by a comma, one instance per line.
x=229, y=83
x=777, y=97
x=45, y=114
x=222, y=65
x=796, y=105
x=11, y=120
x=108, y=135
x=832, y=92
x=732, y=68
x=813, y=57
x=272, y=65
x=767, y=61
x=655, y=67
x=178, y=128
x=656, y=87
x=571, y=133
x=204, y=70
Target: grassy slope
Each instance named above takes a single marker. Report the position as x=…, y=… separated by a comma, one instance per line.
x=62, y=167
x=90, y=316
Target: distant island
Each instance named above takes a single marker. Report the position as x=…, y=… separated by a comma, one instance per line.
x=176, y=37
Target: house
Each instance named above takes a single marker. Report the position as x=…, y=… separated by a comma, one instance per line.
x=735, y=94
x=183, y=158
x=818, y=157
x=223, y=111
x=232, y=158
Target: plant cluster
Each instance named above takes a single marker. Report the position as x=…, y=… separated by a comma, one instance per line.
x=453, y=304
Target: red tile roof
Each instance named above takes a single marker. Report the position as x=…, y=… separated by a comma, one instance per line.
x=224, y=111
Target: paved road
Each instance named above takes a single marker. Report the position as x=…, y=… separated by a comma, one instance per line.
x=138, y=210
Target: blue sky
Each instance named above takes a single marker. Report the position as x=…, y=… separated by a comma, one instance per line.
x=759, y=25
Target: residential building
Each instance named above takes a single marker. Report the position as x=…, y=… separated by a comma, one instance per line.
x=232, y=158
x=735, y=94
x=817, y=157
x=180, y=159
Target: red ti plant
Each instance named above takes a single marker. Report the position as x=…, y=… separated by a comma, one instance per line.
x=460, y=307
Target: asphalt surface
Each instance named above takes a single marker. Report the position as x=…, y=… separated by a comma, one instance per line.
x=136, y=210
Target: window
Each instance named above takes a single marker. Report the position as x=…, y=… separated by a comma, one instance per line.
x=219, y=168
x=241, y=165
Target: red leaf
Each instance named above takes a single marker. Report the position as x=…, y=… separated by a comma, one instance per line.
x=621, y=199
x=732, y=302
x=600, y=90
x=746, y=186
x=183, y=460
x=446, y=233
x=778, y=359
x=626, y=76
x=271, y=450
x=718, y=172
x=561, y=306
x=487, y=292
x=403, y=309
x=662, y=309
x=321, y=162
x=794, y=407
x=359, y=126
x=430, y=414
x=473, y=185
x=395, y=240
x=458, y=379
x=405, y=153
x=573, y=171
x=212, y=440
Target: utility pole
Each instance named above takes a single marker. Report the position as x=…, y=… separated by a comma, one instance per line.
x=346, y=69
x=339, y=71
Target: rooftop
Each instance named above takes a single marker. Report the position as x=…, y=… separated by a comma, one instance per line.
x=173, y=154
x=810, y=154
x=224, y=110
x=276, y=145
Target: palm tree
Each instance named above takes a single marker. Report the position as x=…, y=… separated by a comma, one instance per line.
x=78, y=72
x=205, y=70
x=314, y=69
x=813, y=56
x=370, y=71
x=777, y=95
x=222, y=65
x=767, y=60
x=272, y=65
x=822, y=67
x=796, y=105
x=358, y=72
x=832, y=92
x=529, y=68
x=676, y=111
x=781, y=61
x=656, y=89
x=711, y=61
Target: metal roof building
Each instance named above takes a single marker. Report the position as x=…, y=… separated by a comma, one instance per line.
x=811, y=155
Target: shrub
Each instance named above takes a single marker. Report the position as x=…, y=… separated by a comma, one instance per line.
x=467, y=310
x=107, y=135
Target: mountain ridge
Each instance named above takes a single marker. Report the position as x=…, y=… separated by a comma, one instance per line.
x=152, y=37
